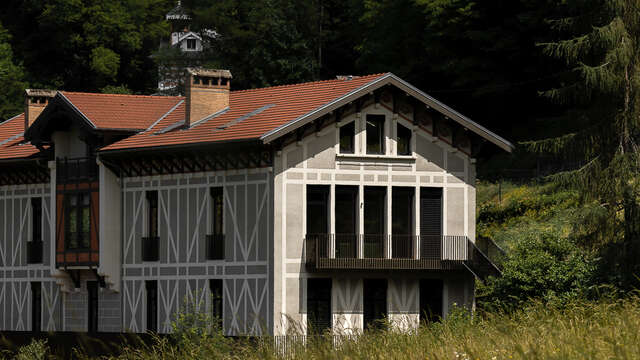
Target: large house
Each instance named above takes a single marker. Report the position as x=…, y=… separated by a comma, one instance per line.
x=306, y=207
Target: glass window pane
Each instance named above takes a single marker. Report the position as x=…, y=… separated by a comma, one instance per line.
x=347, y=134
x=375, y=134
x=404, y=140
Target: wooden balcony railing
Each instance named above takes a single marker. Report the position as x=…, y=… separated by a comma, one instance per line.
x=77, y=257
x=76, y=170
x=215, y=247
x=401, y=252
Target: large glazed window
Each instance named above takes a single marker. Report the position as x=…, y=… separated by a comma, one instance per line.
x=402, y=210
x=78, y=224
x=347, y=138
x=346, y=210
x=374, y=221
x=375, y=134
x=317, y=209
x=404, y=140
x=318, y=306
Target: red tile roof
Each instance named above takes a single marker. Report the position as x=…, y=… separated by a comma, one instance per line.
x=251, y=114
x=12, y=144
x=123, y=112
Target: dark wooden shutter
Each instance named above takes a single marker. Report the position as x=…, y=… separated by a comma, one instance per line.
x=430, y=222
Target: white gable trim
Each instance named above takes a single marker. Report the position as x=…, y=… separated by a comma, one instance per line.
x=386, y=79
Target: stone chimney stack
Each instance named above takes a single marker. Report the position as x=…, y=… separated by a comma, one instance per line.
x=35, y=100
x=207, y=92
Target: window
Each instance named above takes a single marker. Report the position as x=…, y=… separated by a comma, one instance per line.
x=151, y=243
x=78, y=224
x=374, y=296
x=215, y=241
x=191, y=44
x=346, y=213
x=347, y=136
x=152, y=305
x=34, y=247
x=36, y=211
x=215, y=285
x=374, y=221
x=430, y=300
x=36, y=307
x=318, y=305
x=152, y=202
x=375, y=134
x=404, y=140
x=402, y=210
x=92, y=306
x=317, y=209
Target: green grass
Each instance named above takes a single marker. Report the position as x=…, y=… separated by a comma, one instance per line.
x=579, y=330
x=507, y=212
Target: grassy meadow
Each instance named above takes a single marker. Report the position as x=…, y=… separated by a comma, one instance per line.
x=579, y=330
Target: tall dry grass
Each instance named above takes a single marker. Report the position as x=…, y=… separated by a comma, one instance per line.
x=581, y=330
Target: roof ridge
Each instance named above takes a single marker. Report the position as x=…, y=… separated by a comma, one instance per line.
x=125, y=95
x=308, y=82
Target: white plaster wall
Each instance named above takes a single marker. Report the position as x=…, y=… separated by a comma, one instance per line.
x=110, y=228
x=316, y=160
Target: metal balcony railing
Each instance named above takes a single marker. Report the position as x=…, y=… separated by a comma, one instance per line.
x=402, y=252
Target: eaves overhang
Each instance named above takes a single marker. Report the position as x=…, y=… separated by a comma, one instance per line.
x=378, y=83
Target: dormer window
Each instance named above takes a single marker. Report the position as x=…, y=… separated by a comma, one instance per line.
x=404, y=140
x=347, y=136
x=191, y=44
x=375, y=134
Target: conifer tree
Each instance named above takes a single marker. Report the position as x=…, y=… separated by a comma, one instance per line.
x=601, y=48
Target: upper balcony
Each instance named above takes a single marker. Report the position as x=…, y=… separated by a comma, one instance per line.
x=76, y=170
x=324, y=252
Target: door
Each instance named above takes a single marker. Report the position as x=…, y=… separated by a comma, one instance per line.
x=374, y=221
x=430, y=223
x=36, y=307
x=92, y=306
x=318, y=219
x=430, y=300
x=374, y=301
x=318, y=306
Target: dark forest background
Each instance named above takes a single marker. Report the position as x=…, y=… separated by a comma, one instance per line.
x=481, y=57
x=559, y=78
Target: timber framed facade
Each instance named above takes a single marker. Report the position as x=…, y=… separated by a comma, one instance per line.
x=312, y=207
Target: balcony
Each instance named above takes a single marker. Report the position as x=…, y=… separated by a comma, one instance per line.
x=324, y=252
x=77, y=258
x=34, y=252
x=76, y=170
x=215, y=247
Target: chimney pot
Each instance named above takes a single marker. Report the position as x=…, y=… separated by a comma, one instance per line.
x=207, y=92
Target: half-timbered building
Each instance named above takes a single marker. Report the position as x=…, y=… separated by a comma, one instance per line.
x=306, y=207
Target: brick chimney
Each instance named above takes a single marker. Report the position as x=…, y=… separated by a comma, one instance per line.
x=207, y=92
x=35, y=100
